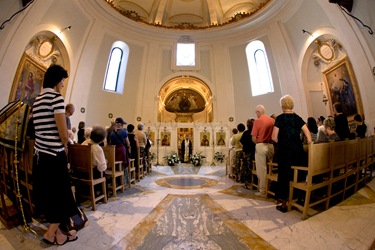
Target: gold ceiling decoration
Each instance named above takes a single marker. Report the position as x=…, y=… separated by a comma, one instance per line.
x=188, y=14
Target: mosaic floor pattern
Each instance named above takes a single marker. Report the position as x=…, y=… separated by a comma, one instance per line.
x=192, y=222
x=186, y=182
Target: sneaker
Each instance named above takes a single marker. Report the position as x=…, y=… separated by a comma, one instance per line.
x=260, y=194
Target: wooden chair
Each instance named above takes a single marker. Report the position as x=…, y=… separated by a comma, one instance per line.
x=370, y=148
x=352, y=164
x=338, y=171
x=132, y=173
x=149, y=165
x=140, y=166
x=254, y=178
x=317, y=179
x=271, y=177
x=115, y=171
x=81, y=164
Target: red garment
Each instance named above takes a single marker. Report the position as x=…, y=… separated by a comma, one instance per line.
x=262, y=129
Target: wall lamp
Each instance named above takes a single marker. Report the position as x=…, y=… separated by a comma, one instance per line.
x=66, y=28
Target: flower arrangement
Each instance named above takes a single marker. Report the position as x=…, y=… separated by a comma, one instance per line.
x=172, y=159
x=219, y=157
x=197, y=159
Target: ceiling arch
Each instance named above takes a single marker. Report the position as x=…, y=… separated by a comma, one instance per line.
x=183, y=97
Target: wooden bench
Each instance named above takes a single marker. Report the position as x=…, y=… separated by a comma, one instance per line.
x=317, y=179
x=335, y=171
x=115, y=172
x=83, y=172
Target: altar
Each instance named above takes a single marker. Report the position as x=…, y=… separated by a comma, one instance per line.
x=206, y=139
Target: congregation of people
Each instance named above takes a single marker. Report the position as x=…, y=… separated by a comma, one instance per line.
x=265, y=138
x=280, y=139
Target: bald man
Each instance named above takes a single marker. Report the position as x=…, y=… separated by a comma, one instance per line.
x=262, y=137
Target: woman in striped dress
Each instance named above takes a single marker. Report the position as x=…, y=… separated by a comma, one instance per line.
x=52, y=192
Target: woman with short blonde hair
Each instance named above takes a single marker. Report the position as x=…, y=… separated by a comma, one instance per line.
x=287, y=102
x=286, y=133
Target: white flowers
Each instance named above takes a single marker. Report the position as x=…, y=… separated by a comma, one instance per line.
x=197, y=159
x=219, y=157
x=172, y=159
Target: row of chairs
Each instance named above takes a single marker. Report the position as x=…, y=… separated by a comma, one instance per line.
x=335, y=171
x=83, y=172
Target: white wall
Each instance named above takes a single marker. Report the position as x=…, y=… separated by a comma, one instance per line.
x=95, y=26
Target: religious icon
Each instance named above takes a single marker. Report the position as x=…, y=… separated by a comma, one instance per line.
x=205, y=139
x=165, y=138
x=220, y=138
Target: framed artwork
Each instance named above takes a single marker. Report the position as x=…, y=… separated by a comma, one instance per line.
x=165, y=138
x=220, y=138
x=28, y=81
x=205, y=139
x=341, y=86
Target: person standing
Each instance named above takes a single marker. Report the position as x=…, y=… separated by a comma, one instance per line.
x=81, y=132
x=341, y=121
x=186, y=149
x=119, y=138
x=264, y=150
x=232, y=154
x=142, y=142
x=361, y=129
x=109, y=130
x=52, y=192
x=238, y=149
x=286, y=133
x=69, y=111
x=248, y=149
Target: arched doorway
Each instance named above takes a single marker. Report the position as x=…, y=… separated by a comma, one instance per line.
x=185, y=99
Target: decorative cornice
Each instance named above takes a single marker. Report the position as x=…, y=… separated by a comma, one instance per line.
x=186, y=25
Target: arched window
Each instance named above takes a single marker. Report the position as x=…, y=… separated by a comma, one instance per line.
x=116, y=67
x=259, y=69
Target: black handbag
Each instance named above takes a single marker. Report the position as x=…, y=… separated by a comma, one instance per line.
x=74, y=223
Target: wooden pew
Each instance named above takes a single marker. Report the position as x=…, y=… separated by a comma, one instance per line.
x=81, y=164
x=114, y=170
x=315, y=186
x=271, y=177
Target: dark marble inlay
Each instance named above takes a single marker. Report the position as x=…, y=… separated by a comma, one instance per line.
x=186, y=182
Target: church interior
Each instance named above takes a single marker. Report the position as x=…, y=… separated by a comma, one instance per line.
x=191, y=69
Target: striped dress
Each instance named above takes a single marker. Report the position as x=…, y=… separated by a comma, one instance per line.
x=46, y=105
x=52, y=192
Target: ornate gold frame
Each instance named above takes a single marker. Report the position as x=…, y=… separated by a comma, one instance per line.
x=19, y=89
x=341, y=86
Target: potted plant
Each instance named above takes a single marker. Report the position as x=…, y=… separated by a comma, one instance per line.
x=219, y=157
x=172, y=159
x=197, y=159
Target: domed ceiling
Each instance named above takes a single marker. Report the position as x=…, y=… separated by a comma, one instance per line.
x=188, y=14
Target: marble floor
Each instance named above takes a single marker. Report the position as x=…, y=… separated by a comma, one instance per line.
x=181, y=208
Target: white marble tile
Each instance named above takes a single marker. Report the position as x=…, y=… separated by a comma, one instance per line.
x=346, y=226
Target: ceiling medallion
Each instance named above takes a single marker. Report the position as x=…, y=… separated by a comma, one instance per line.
x=186, y=25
